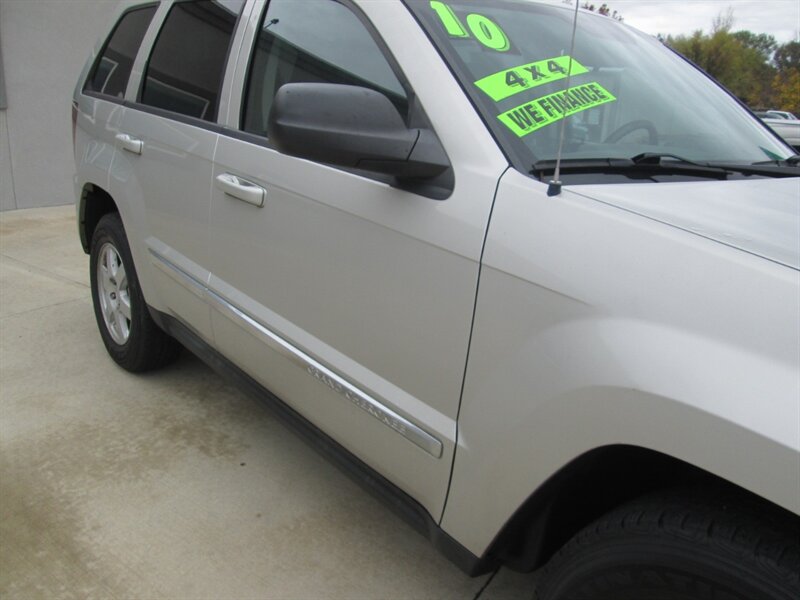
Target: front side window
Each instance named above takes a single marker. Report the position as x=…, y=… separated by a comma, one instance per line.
x=313, y=41
x=628, y=95
x=187, y=65
x=110, y=73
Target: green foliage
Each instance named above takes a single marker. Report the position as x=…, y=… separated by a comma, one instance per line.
x=787, y=90
x=763, y=43
x=787, y=56
x=786, y=84
x=761, y=72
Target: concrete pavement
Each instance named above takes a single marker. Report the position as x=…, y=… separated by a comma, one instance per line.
x=173, y=484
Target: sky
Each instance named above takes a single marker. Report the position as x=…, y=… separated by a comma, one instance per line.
x=780, y=18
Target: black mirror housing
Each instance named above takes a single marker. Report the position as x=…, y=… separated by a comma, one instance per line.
x=352, y=127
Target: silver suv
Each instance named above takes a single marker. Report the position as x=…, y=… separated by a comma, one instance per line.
x=541, y=296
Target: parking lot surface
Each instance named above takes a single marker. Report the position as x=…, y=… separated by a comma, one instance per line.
x=173, y=484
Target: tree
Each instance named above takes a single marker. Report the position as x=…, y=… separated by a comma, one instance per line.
x=787, y=56
x=786, y=83
x=753, y=66
x=763, y=43
x=787, y=91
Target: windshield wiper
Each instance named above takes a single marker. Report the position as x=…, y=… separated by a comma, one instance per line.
x=770, y=169
x=792, y=161
x=645, y=164
x=657, y=158
x=773, y=168
x=655, y=163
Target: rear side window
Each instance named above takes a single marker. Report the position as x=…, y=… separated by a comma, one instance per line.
x=187, y=65
x=314, y=41
x=111, y=71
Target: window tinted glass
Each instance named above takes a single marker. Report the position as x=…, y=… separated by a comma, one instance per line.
x=627, y=94
x=186, y=68
x=110, y=73
x=318, y=41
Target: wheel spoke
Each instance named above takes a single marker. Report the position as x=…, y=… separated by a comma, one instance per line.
x=108, y=260
x=113, y=264
x=125, y=305
x=111, y=315
x=123, y=325
x=122, y=277
x=105, y=279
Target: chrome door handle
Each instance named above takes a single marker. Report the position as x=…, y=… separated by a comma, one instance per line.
x=129, y=143
x=241, y=189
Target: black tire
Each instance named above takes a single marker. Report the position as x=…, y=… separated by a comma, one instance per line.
x=679, y=546
x=135, y=342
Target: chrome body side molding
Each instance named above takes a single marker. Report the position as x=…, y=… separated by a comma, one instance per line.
x=197, y=287
x=313, y=367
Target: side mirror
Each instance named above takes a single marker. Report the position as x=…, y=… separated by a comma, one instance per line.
x=352, y=127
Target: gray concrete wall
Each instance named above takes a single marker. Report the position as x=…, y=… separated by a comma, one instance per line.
x=43, y=47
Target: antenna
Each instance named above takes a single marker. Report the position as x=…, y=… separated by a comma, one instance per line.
x=554, y=189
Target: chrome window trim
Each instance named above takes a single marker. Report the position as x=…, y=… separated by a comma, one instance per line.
x=313, y=367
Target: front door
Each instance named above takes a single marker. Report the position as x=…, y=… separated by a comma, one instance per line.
x=349, y=298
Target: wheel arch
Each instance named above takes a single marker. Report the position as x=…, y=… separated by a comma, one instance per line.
x=94, y=202
x=590, y=486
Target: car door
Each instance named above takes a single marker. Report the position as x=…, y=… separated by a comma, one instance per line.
x=167, y=139
x=349, y=297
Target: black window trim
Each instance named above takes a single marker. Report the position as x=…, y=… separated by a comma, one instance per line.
x=104, y=47
x=138, y=104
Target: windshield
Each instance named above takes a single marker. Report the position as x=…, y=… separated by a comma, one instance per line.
x=627, y=94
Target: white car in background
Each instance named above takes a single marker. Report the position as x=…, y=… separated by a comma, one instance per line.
x=781, y=114
x=787, y=129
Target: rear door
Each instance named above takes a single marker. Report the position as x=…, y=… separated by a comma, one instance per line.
x=167, y=139
x=347, y=296
x=99, y=106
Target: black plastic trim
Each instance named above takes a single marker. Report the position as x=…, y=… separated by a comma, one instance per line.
x=401, y=503
x=161, y=112
x=179, y=117
x=101, y=96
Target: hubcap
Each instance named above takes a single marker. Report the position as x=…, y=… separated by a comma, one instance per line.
x=112, y=291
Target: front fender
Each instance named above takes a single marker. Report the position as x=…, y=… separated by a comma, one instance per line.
x=680, y=346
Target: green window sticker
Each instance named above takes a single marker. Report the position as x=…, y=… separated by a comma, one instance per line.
x=488, y=33
x=546, y=110
x=449, y=19
x=504, y=84
x=482, y=28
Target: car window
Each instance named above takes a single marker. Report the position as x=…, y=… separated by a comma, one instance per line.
x=314, y=41
x=186, y=68
x=627, y=93
x=112, y=69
